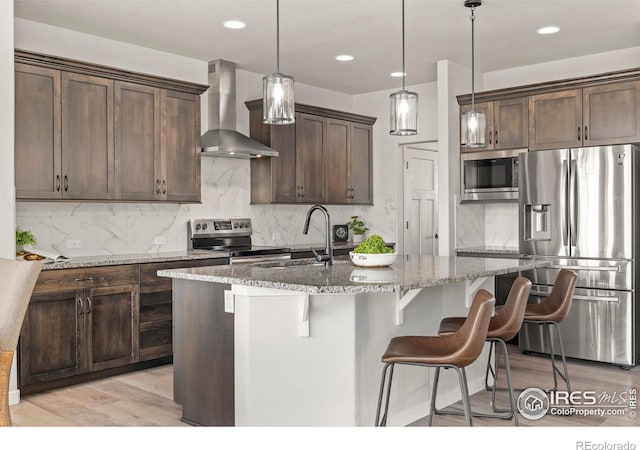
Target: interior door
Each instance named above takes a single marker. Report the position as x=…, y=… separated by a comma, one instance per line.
x=420, y=201
x=601, y=213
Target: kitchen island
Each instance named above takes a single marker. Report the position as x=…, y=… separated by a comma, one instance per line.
x=293, y=343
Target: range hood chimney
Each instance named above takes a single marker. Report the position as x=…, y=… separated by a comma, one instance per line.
x=222, y=139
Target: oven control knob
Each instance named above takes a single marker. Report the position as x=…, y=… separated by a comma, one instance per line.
x=240, y=225
x=204, y=226
x=247, y=224
x=197, y=227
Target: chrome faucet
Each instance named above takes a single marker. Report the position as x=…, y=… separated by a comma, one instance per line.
x=327, y=258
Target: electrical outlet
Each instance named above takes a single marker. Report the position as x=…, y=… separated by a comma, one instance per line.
x=73, y=243
x=276, y=236
x=160, y=240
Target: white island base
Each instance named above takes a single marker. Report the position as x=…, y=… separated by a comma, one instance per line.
x=314, y=359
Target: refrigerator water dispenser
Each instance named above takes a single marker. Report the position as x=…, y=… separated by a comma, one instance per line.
x=537, y=222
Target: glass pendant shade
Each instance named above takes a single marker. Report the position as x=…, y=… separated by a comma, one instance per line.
x=474, y=124
x=278, y=103
x=404, y=113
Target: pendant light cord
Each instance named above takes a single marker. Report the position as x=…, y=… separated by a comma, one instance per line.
x=277, y=36
x=473, y=18
x=404, y=74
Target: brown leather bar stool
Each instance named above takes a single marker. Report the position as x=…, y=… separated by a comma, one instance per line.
x=552, y=311
x=455, y=351
x=502, y=327
x=19, y=278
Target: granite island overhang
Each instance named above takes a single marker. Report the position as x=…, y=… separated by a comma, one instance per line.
x=300, y=344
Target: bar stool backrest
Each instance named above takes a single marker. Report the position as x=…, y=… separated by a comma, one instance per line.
x=507, y=323
x=558, y=303
x=18, y=280
x=470, y=337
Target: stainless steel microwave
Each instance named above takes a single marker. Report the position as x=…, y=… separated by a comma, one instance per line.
x=490, y=176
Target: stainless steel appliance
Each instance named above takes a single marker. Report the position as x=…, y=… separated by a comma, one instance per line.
x=232, y=236
x=490, y=176
x=579, y=208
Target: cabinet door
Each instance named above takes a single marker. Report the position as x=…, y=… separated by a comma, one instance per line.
x=87, y=137
x=555, y=120
x=337, y=161
x=612, y=114
x=511, y=124
x=112, y=326
x=37, y=132
x=52, y=337
x=310, y=136
x=361, y=164
x=137, y=142
x=487, y=109
x=181, y=146
x=283, y=168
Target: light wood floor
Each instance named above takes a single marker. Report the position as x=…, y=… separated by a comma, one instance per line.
x=145, y=398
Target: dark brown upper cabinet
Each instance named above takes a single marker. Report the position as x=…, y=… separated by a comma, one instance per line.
x=89, y=132
x=598, y=115
x=325, y=157
x=37, y=132
x=349, y=162
x=507, y=124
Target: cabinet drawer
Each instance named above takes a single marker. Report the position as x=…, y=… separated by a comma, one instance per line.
x=86, y=278
x=148, y=271
x=155, y=302
x=156, y=340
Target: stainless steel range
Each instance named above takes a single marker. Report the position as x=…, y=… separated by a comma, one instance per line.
x=232, y=236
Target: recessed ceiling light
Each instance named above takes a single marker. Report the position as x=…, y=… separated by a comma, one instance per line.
x=398, y=74
x=234, y=24
x=344, y=58
x=548, y=30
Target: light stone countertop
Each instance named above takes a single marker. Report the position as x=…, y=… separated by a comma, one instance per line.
x=408, y=272
x=139, y=258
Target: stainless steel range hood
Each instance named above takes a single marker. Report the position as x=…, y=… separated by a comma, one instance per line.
x=222, y=139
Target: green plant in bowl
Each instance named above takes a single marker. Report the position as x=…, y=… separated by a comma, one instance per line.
x=374, y=244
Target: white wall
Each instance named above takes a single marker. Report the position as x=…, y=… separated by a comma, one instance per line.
x=7, y=193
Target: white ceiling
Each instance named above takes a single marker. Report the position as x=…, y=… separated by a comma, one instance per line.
x=313, y=32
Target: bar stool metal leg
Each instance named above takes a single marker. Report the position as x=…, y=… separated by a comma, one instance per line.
x=462, y=376
x=434, y=393
x=383, y=422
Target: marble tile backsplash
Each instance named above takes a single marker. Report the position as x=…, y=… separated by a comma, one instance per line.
x=124, y=228
x=487, y=224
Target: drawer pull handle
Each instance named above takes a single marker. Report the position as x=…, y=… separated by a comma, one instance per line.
x=83, y=279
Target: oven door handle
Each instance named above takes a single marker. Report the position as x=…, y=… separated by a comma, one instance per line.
x=259, y=258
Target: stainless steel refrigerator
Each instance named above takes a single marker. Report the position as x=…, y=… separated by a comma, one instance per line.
x=579, y=208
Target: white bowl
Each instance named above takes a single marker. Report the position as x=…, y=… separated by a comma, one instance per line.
x=373, y=259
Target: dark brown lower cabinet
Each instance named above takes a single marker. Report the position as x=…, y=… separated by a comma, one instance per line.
x=74, y=332
x=94, y=322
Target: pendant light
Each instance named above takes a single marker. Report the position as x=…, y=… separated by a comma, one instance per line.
x=404, y=104
x=278, y=104
x=473, y=122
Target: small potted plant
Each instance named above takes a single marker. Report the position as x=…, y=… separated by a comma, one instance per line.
x=23, y=237
x=357, y=226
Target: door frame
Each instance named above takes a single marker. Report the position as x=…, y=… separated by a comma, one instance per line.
x=429, y=145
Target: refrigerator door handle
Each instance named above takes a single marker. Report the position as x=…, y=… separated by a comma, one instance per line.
x=573, y=203
x=588, y=268
x=563, y=184
x=597, y=298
